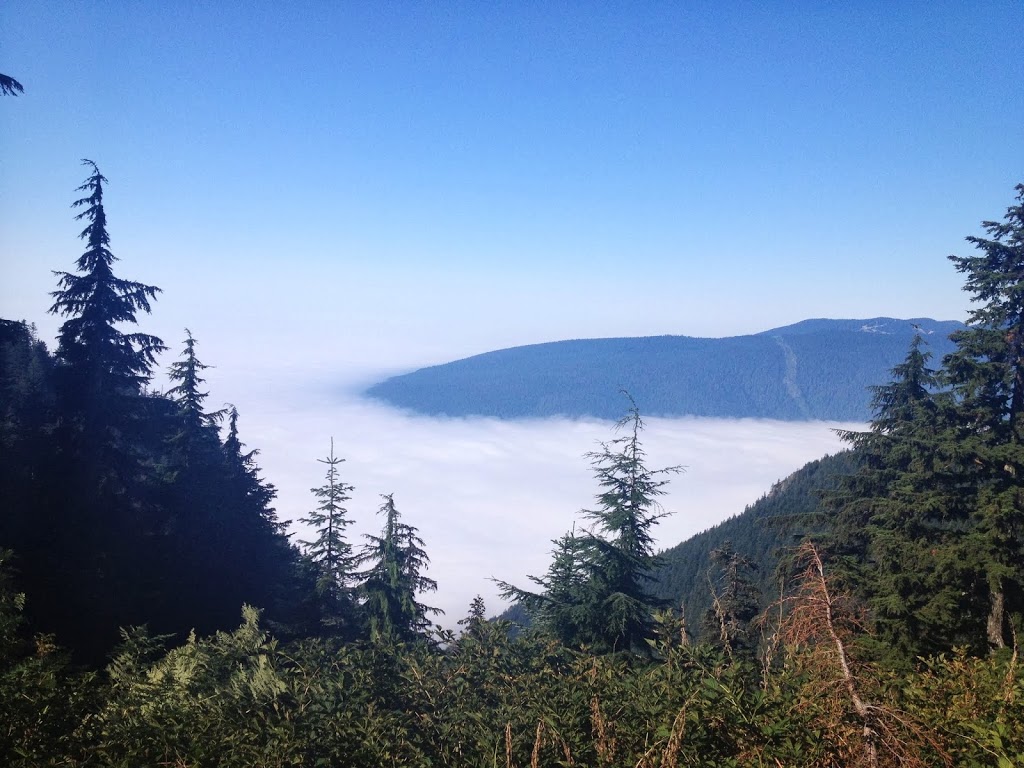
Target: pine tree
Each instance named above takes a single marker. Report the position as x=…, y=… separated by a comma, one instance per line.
x=394, y=579
x=186, y=393
x=890, y=532
x=238, y=550
x=735, y=600
x=937, y=511
x=330, y=552
x=475, y=623
x=95, y=302
x=986, y=376
x=244, y=474
x=621, y=548
x=595, y=592
x=562, y=606
x=195, y=422
x=900, y=439
x=101, y=516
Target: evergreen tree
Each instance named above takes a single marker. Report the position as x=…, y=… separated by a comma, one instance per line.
x=270, y=559
x=330, y=552
x=937, y=511
x=95, y=302
x=394, y=579
x=244, y=474
x=620, y=558
x=735, y=600
x=561, y=608
x=186, y=393
x=891, y=532
x=986, y=376
x=595, y=592
x=475, y=623
x=100, y=513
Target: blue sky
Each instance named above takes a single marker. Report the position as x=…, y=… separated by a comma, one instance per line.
x=435, y=179
x=328, y=191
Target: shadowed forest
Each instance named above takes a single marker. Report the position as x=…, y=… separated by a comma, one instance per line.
x=154, y=611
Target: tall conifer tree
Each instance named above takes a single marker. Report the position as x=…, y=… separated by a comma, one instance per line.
x=330, y=551
x=937, y=511
x=196, y=424
x=595, y=592
x=735, y=599
x=96, y=302
x=621, y=554
x=101, y=516
x=244, y=475
x=394, y=579
x=986, y=375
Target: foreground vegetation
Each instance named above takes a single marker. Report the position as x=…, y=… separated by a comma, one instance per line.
x=890, y=639
x=243, y=699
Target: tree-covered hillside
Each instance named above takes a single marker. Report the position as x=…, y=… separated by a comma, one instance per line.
x=816, y=369
x=762, y=533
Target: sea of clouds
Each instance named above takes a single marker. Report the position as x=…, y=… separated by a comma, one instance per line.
x=488, y=496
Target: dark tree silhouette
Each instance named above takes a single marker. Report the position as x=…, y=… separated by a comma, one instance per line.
x=96, y=301
x=10, y=87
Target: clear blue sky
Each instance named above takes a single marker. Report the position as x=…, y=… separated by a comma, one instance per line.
x=329, y=190
x=399, y=183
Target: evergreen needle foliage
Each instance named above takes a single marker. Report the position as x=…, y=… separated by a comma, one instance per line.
x=330, y=551
x=595, y=593
x=96, y=301
x=931, y=529
x=394, y=579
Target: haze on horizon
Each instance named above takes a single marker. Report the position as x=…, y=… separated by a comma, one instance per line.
x=330, y=193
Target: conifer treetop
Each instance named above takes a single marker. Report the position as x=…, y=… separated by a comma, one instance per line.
x=96, y=301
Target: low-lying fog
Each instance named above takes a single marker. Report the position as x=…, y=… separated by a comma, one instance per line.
x=488, y=496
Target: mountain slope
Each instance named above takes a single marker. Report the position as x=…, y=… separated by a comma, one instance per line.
x=815, y=369
x=756, y=533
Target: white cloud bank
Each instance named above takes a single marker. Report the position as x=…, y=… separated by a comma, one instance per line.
x=488, y=496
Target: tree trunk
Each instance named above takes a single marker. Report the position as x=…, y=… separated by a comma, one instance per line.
x=996, y=619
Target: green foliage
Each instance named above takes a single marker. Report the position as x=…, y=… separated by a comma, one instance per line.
x=243, y=699
x=595, y=593
x=932, y=527
x=735, y=600
x=330, y=552
x=186, y=393
x=761, y=533
x=986, y=377
x=240, y=699
x=394, y=579
x=41, y=702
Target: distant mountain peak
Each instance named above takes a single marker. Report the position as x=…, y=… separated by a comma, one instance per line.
x=814, y=369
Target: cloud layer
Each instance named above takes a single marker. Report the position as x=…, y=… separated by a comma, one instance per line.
x=488, y=496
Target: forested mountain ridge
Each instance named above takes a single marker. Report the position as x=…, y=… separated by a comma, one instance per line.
x=814, y=369
x=761, y=533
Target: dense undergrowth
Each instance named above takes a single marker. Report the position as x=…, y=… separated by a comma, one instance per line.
x=242, y=698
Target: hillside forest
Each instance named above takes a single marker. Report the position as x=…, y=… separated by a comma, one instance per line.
x=812, y=370
x=154, y=611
